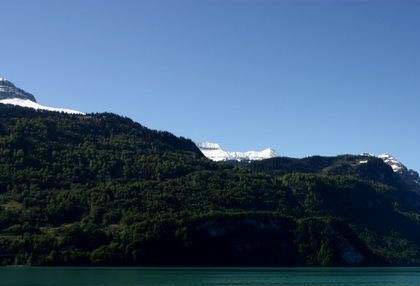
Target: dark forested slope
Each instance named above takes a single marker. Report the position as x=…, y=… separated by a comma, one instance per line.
x=103, y=190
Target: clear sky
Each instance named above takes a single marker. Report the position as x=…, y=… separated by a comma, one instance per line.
x=304, y=77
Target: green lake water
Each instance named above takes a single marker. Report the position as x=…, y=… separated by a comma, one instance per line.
x=22, y=276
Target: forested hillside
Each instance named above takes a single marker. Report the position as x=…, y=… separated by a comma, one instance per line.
x=365, y=167
x=101, y=189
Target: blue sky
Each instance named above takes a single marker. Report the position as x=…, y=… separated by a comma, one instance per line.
x=305, y=77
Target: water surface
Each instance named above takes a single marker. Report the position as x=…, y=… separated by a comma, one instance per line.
x=55, y=276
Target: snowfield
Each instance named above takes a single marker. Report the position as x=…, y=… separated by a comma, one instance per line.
x=30, y=104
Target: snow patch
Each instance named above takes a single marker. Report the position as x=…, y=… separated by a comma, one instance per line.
x=30, y=104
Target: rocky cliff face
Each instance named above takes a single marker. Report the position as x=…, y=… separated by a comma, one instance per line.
x=8, y=91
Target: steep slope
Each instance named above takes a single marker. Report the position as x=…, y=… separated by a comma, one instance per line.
x=98, y=147
x=101, y=189
x=396, y=165
x=410, y=177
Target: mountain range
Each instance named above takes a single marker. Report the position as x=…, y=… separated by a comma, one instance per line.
x=101, y=189
x=10, y=94
x=215, y=152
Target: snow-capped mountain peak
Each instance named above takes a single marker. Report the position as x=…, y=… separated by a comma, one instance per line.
x=390, y=160
x=215, y=152
x=396, y=165
x=10, y=94
x=9, y=90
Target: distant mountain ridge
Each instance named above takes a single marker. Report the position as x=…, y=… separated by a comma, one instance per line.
x=215, y=152
x=366, y=166
x=268, y=160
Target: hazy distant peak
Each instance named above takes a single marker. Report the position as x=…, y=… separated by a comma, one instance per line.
x=209, y=145
x=215, y=152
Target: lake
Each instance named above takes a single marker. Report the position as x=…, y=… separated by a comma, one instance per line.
x=57, y=276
